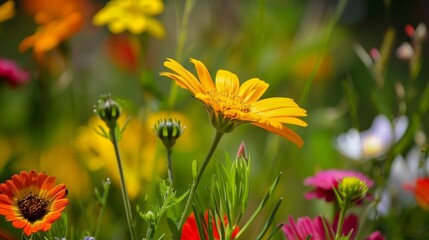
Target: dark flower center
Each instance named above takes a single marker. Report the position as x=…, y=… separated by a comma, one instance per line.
x=33, y=207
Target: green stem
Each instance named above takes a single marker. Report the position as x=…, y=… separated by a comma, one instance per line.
x=125, y=197
x=169, y=167
x=181, y=40
x=343, y=211
x=196, y=180
x=106, y=188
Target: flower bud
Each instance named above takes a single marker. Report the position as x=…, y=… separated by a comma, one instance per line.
x=108, y=110
x=168, y=131
x=375, y=54
x=405, y=51
x=241, y=153
x=150, y=216
x=352, y=188
x=421, y=32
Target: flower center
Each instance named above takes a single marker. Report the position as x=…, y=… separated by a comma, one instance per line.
x=33, y=207
x=372, y=146
x=226, y=101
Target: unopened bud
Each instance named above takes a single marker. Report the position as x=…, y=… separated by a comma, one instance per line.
x=150, y=216
x=352, y=188
x=241, y=153
x=421, y=32
x=405, y=51
x=168, y=131
x=108, y=110
x=374, y=53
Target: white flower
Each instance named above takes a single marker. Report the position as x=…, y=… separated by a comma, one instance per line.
x=374, y=142
x=403, y=172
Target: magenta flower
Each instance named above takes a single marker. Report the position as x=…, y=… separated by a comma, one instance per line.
x=325, y=182
x=306, y=226
x=375, y=236
x=12, y=73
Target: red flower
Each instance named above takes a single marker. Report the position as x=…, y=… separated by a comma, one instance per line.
x=190, y=229
x=124, y=52
x=421, y=191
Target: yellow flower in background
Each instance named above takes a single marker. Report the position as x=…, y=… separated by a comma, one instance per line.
x=7, y=10
x=58, y=20
x=142, y=156
x=231, y=105
x=62, y=160
x=135, y=16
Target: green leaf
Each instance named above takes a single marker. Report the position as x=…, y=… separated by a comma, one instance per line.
x=424, y=101
x=261, y=205
x=173, y=228
x=270, y=219
x=278, y=227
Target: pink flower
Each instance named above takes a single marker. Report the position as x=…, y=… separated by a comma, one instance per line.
x=325, y=182
x=375, y=236
x=306, y=226
x=12, y=73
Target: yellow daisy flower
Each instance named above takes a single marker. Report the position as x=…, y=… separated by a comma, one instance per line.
x=132, y=15
x=231, y=105
x=142, y=160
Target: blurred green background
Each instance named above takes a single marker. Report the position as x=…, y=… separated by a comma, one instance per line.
x=47, y=124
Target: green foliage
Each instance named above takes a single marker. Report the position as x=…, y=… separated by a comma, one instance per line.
x=167, y=201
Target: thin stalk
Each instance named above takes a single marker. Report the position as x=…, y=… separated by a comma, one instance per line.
x=106, y=188
x=181, y=40
x=125, y=197
x=100, y=217
x=196, y=180
x=343, y=211
x=169, y=167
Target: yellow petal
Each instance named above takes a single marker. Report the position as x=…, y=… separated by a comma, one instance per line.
x=283, y=112
x=273, y=103
x=153, y=7
x=155, y=28
x=283, y=132
x=136, y=24
x=227, y=82
x=117, y=26
x=290, y=120
x=203, y=75
x=102, y=17
x=252, y=90
x=188, y=78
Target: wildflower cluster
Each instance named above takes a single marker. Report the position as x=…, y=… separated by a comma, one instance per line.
x=187, y=83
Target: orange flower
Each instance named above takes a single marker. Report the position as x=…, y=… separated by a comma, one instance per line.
x=190, y=229
x=7, y=10
x=422, y=192
x=31, y=201
x=58, y=20
x=231, y=105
